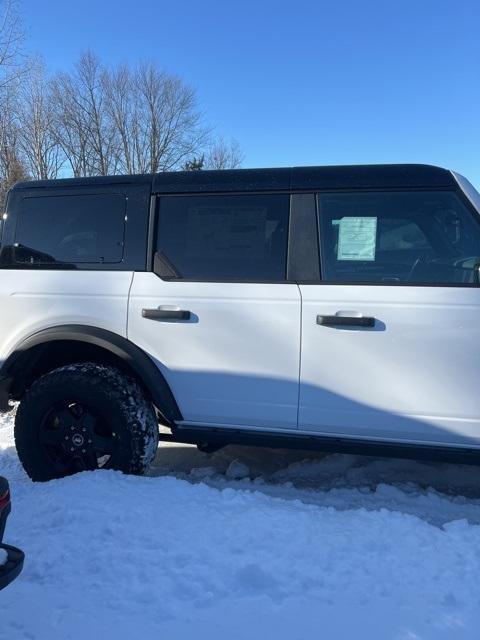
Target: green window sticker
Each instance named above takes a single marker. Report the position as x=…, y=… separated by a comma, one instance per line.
x=357, y=238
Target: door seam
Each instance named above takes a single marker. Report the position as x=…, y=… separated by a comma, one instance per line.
x=128, y=304
x=300, y=355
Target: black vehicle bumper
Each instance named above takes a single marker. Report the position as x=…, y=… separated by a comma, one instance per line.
x=14, y=564
x=4, y=394
x=11, y=569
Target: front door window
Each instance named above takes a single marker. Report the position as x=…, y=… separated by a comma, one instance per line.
x=428, y=238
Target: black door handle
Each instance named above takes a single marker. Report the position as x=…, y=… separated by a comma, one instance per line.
x=346, y=321
x=166, y=314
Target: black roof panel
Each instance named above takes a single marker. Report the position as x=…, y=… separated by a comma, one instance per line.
x=95, y=181
x=227, y=180
x=371, y=177
x=282, y=179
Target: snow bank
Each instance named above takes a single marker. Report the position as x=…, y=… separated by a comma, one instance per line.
x=206, y=555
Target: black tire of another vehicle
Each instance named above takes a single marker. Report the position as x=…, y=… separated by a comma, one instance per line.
x=82, y=417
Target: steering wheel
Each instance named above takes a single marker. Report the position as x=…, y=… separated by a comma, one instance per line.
x=461, y=261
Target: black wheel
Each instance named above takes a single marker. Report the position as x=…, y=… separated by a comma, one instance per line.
x=83, y=417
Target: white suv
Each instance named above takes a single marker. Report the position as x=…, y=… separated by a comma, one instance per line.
x=328, y=307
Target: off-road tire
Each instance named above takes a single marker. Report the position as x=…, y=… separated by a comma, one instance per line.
x=117, y=401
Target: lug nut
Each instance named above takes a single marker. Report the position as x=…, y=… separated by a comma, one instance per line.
x=71, y=449
x=83, y=451
x=89, y=442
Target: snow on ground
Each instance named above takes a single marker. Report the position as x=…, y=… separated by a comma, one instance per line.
x=246, y=544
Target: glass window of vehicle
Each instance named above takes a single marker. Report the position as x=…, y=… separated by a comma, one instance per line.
x=218, y=238
x=398, y=237
x=70, y=229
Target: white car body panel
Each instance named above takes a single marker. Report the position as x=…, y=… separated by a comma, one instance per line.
x=236, y=362
x=32, y=300
x=414, y=377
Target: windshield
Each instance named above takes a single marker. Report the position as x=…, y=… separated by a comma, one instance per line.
x=469, y=190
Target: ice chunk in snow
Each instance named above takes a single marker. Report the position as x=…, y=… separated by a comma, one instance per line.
x=237, y=470
x=3, y=557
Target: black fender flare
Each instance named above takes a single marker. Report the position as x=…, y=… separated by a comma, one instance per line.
x=133, y=358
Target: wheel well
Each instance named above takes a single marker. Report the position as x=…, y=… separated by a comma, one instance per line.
x=49, y=350
x=43, y=358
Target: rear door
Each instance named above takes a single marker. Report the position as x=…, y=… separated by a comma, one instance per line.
x=391, y=335
x=217, y=313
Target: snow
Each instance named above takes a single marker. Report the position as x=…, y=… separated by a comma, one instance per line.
x=244, y=544
x=237, y=470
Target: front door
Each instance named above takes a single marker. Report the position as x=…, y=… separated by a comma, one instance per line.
x=391, y=337
x=217, y=315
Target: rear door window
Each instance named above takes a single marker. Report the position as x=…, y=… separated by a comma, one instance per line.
x=219, y=237
x=72, y=229
x=398, y=237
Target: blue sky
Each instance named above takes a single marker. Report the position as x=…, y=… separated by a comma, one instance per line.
x=325, y=82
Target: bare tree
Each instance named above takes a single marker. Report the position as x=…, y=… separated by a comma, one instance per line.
x=12, y=62
x=16, y=172
x=100, y=132
x=69, y=124
x=122, y=109
x=224, y=155
x=169, y=127
x=83, y=128
x=97, y=120
x=36, y=126
x=125, y=120
x=155, y=117
x=11, y=166
x=103, y=121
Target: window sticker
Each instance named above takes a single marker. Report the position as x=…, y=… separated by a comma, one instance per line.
x=357, y=238
x=226, y=230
